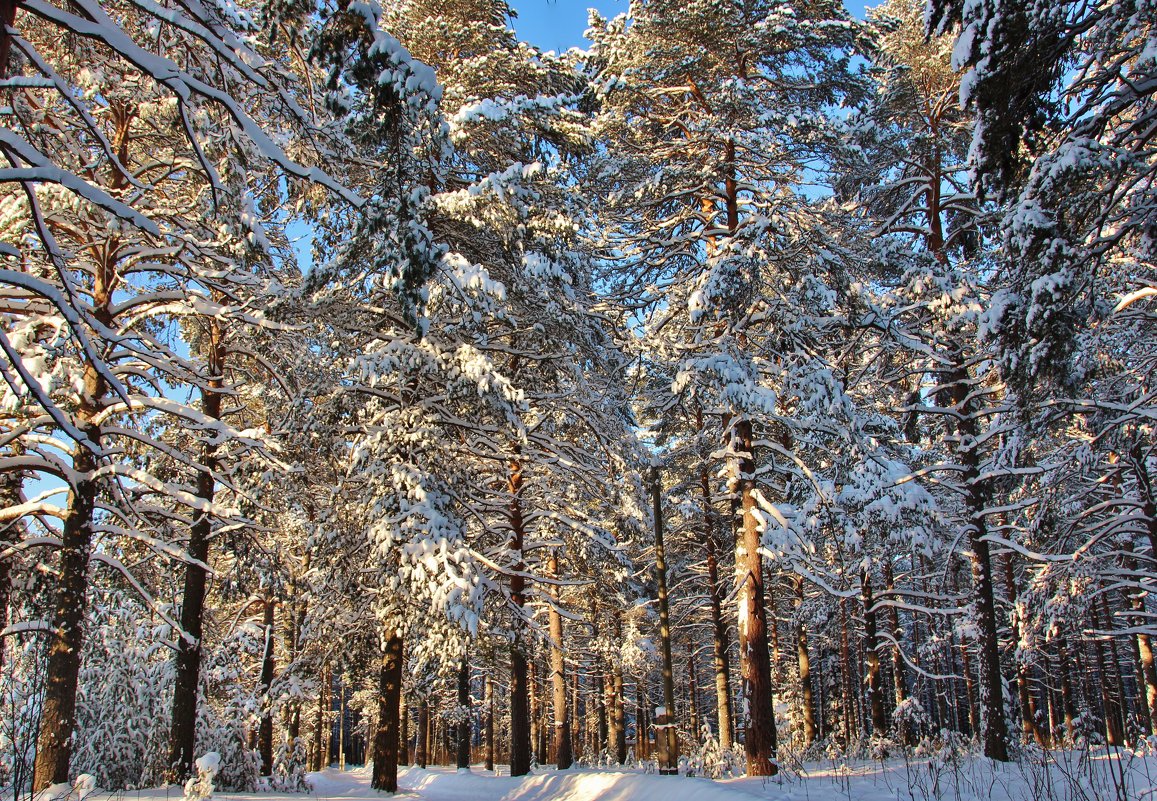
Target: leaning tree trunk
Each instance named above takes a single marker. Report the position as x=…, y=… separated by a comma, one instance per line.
x=562, y=739
x=519, y=690
x=183, y=723
x=62, y=672
x=385, y=776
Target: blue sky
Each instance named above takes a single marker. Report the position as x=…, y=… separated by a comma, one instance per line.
x=559, y=24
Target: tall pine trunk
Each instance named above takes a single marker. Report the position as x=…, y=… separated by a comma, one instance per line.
x=62, y=672
x=265, y=729
x=807, y=702
x=991, y=685
x=422, y=746
x=183, y=723
x=619, y=720
x=385, y=775
x=519, y=689
x=11, y=490
x=754, y=657
x=668, y=731
x=719, y=639
x=872, y=657
x=69, y=603
x=560, y=707
x=464, y=710
x=489, y=723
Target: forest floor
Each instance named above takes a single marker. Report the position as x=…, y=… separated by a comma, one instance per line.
x=1064, y=776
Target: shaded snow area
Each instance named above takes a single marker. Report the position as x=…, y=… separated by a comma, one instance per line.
x=1070, y=776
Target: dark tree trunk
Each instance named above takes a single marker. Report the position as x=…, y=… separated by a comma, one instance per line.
x=11, y=492
x=1144, y=645
x=183, y=724
x=385, y=776
x=463, y=709
x=58, y=713
x=620, y=716
x=265, y=731
x=600, y=696
x=519, y=715
x=848, y=701
x=1028, y=725
x=489, y=723
x=422, y=747
x=991, y=685
x=519, y=690
x=1120, y=698
x=668, y=731
x=1068, y=701
x=899, y=682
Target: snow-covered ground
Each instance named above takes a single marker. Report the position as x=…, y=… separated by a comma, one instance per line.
x=1071, y=776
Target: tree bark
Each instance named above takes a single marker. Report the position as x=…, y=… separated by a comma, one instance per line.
x=489, y=723
x=991, y=685
x=1028, y=724
x=422, y=747
x=754, y=657
x=561, y=728
x=899, y=682
x=719, y=639
x=464, y=710
x=848, y=701
x=183, y=723
x=403, y=732
x=620, y=714
x=692, y=692
x=58, y=713
x=664, y=620
x=1148, y=665
x=1068, y=701
x=872, y=658
x=720, y=643
x=519, y=690
x=807, y=703
x=385, y=775
x=265, y=730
